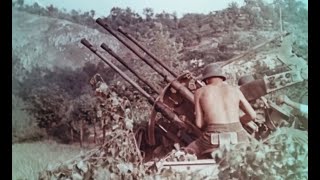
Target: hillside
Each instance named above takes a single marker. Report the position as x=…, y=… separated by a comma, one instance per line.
x=50, y=42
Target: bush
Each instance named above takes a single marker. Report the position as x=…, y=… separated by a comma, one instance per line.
x=284, y=155
x=24, y=127
x=55, y=98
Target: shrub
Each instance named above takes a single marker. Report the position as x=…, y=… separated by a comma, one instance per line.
x=24, y=127
x=55, y=98
x=283, y=155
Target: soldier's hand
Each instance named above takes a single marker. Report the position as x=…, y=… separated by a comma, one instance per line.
x=253, y=126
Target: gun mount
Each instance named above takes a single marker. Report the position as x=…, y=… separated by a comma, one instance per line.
x=172, y=115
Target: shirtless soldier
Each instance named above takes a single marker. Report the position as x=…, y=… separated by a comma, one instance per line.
x=217, y=113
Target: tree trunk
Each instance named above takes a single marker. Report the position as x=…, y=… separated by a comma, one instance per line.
x=81, y=132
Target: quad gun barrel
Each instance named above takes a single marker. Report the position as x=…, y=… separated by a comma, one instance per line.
x=159, y=106
x=112, y=53
x=148, y=52
x=185, y=92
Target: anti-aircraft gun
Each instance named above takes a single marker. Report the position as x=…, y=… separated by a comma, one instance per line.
x=172, y=117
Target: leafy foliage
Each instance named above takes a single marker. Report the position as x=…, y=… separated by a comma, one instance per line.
x=57, y=97
x=233, y=5
x=283, y=155
x=118, y=156
x=24, y=127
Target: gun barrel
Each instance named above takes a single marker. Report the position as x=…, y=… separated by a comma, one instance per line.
x=106, y=27
x=254, y=48
x=114, y=67
x=112, y=53
x=159, y=106
x=147, y=51
x=185, y=92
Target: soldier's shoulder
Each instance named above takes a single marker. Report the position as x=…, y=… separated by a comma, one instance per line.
x=225, y=84
x=232, y=87
x=202, y=90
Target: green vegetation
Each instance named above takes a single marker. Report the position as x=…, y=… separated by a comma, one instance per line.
x=283, y=155
x=54, y=99
x=185, y=28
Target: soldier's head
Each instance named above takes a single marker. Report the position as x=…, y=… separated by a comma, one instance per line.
x=212, y=72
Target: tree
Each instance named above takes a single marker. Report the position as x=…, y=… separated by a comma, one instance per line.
x=53, y=11
x=36, y=5
x=175, y=18
x=129, y=16
x=75, y=16
x=294, y=6
x=148, y=12
x=290, y=8
x=92, y=13
x=233, y=5
x=115, y=12
x=303, y=13
x=20, y=3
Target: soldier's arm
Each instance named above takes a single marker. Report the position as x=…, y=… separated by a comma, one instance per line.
x=245, y=106
x=198, y=110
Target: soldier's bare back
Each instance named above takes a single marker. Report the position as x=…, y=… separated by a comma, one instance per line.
x=218, y=104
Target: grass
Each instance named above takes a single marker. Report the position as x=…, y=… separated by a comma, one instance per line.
x=28, y=159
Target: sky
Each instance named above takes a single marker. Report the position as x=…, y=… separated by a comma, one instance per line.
x=103, y=7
